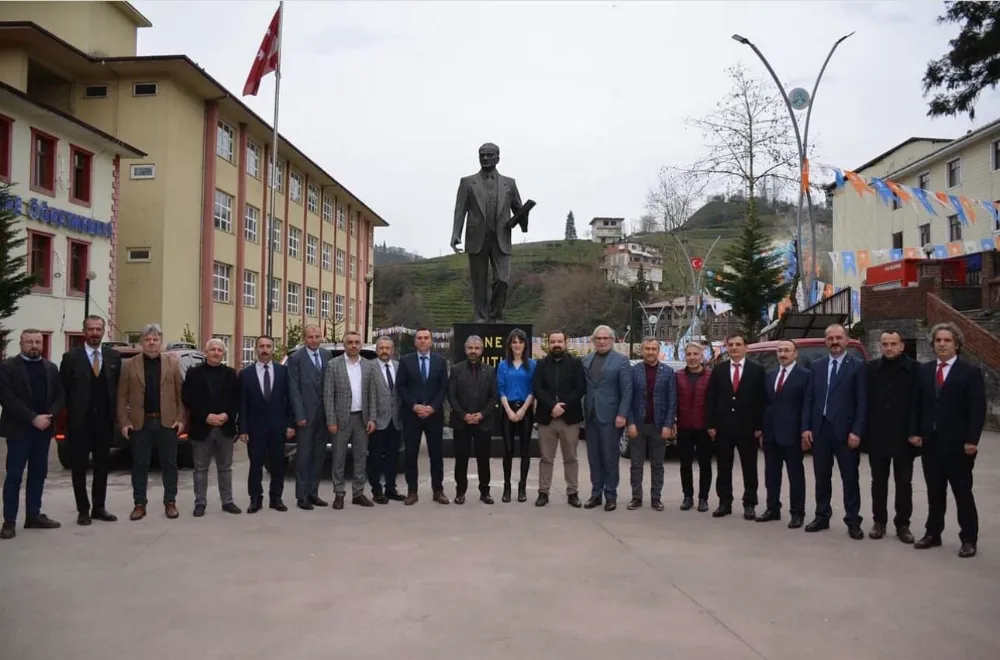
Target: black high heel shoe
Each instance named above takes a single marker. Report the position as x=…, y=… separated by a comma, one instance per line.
x=506, y=493
x=522, y=492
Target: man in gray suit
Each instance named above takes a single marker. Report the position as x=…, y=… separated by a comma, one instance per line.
x=349, y=398
x=305, y=389
x=606, y=409
x=383, y=447
x=490, y=200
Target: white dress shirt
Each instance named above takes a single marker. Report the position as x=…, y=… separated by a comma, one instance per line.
x=947, y=367
x=788, y=372
x=260, y=374
x=732, y=369
x=90, y=355
x=354, y=375
x=392, y=370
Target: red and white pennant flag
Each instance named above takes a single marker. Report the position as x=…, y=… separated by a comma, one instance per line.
x=267, y=57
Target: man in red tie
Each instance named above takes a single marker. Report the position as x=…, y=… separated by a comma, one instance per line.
x=948, y=417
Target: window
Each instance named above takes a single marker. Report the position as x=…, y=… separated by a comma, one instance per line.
x=40, y=261
x=95, y=92
x=954, y=228
x=253, y=160
x=897, y=241
x=74, y=340
x=324, y=305
x=924, y=181
x=352, y=310
x=295, y=187
x=275, y=294
x=312, y=199
x=292, y=301
x=220, y=282
x=276, y=234
x=954, y=172
x=280, y=183
x=354, y=224
x=142, y=171
x=341, y=256
x=225, y=342
x=137, y=254
x=328, y=210
x=144, y=89
x=327, y=258
x=223, y=211
x=43, y=162
x=354, y=268
x=47, y=345
x=924, y=232
x=79, y=266
x=6, y=147
x=249, y=354
x=294, y=242
x=338, y=308
x=251, y=221
x=996, y=220
x=340, y=217
x=312, y=245
x=249, y=288
x=995, y=155
x=225, y=141
x=310, y=301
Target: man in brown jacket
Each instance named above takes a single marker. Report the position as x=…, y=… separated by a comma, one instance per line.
x=151, y=413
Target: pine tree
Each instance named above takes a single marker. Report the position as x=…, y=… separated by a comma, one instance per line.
x=15, y=283
x=751, y=279
x=570, y=227
x=973, y=63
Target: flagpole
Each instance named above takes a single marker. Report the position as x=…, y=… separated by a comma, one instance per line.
x=274, y=177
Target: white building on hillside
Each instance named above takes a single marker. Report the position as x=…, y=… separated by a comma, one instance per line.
x=64, y=180
x=606, y=230
x=622, y=261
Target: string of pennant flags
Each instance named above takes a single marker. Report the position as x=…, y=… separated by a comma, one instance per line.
x=854, y=262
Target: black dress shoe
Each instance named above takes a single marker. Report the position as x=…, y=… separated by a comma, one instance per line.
x=522, y=493
x=255, y=506
x=231, y=508
x=749, y=513
x=818, y=525
x=41, y=521
x=796, y=521
x=610, y=506
x=855, y=532
x=572, y=500
x=657, y=505
x=277, y=505
x=103, y=515
x=362, y=500
x=305, y=505
x=319, y=501
x=592, y=503
x=703, y=505
x=486, y=498
x=687, y=504
x=634, y=504
x=8, y=530
x=381, y=499
x=83, y=519
x=460, y=498
x=904, y=534
x=768, y=516
x=543, y=499
x=928, y=541
x=394, y=496
x=968, y=550
x=506, y=493
x=723, y=510
x=877, y=531
x=199, y=511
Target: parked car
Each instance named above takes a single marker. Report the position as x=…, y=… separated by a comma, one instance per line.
x=765, y=353
x=188, y=358
x=623, y=441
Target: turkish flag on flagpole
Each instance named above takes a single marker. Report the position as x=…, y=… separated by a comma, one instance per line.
x=268, y=56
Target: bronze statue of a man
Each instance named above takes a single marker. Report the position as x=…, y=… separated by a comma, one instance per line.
x=493, y=206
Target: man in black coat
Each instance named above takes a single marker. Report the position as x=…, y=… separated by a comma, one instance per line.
x=891, y=380
x=734, y=410
x=472, y=393
x=947, y=421
x=90, y=381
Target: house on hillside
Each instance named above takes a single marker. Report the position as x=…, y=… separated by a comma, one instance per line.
x=606, y=230
x=622, y=261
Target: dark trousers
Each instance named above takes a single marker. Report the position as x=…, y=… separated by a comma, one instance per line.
x=693, y=443
x=941, y=470
x=383, y=454
x=268, y=447
x=602, y=455
x=902, y=472
x=154, y=434
x=310, y=456
x=648, y=444
x=94, y=438
x=32, y=451
x=519, y=434
x=468, y=439
x=489, y=290
x=413, y=431
x=726, y=446
x=827, y=447
x=791, y=456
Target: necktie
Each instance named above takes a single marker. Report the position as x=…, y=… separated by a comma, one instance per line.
x=267, y=382
x=736, y=378
x=316, y=361
x=388, y=377
x=95, y=363
x=781, y=379
x=940, y=373
x=423, y=367
x=833, y=372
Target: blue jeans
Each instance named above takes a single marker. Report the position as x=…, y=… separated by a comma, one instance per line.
x=32, y=451
x=602, y=455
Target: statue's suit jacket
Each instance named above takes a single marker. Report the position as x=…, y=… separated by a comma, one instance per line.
x=472, y=202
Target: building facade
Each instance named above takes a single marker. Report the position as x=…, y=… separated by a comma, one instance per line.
x=63, y=176
x=622, y=262
x=606, y=230
x=192, y=245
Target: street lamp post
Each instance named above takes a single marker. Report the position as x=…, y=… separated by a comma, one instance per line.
x=369, y=278
x=91, y=275
x=802, y=142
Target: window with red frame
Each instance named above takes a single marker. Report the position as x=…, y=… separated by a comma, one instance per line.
x=47, y=345
x=40, y=260
x=80, y=185
x=6, y=144
x=74, y=340
x=43, y=162
x=79, y=263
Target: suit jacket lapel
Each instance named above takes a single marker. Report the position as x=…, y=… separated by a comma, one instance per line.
x=164, y=368
x=479, y=193
x=501, y=197
x=139, y=367
x=841, y=367
x=23, y=373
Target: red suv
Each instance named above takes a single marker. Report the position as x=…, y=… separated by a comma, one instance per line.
x=765, y=353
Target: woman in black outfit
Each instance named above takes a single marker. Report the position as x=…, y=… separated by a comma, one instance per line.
x=514, y=374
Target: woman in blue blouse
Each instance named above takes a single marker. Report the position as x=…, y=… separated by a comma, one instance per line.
x=514, y=374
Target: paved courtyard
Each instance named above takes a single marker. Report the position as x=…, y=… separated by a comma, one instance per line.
x=506, y=581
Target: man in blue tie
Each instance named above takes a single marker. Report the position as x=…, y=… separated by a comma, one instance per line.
x=834, y=416
x=305, y=388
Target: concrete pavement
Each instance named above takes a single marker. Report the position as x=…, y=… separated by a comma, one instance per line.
x=505, y=581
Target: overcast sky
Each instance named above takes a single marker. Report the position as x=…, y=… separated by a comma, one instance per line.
x=585, y=99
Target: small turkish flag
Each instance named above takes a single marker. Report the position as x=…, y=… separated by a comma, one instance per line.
x=267, y=57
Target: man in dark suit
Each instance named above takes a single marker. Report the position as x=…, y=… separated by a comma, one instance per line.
x=31, y=396
x=422, y=384
x=734, y=407
x=383, y=445
x=489, y=199
x=948, y=417
x=306, y=368
x=472, y=393
x=833, y=421
x=266, y=421
x=891, y=382
x=651, y=421
x=785, y=390
x=90, y=380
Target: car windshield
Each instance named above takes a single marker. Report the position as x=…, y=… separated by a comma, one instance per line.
x=769, y=359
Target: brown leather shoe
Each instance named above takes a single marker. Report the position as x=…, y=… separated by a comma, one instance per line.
x=338, y=501
x=441, y=498
x=170, y=508
x=362, y=500
x=411, y=499
x=138, y=513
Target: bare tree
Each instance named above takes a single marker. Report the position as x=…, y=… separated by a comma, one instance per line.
x=649, y=224
x=675, y=198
